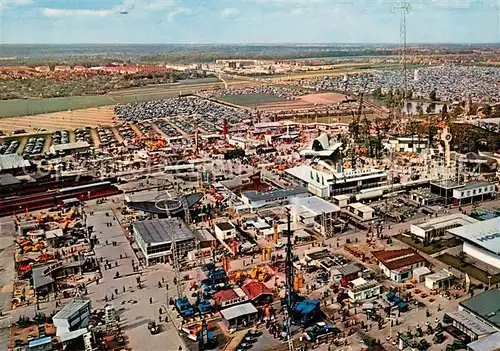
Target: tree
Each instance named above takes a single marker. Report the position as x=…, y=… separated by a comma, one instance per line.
x=409, y=94
x=377, y=93
x=487, y=111
x=433, y=95
x=444, y=113
x=420, y=110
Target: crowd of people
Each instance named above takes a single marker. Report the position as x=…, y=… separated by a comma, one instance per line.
x=195, y=108
x=451, y=83
x=280, y=92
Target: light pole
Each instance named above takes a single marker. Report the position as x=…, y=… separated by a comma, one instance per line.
x=489, y=280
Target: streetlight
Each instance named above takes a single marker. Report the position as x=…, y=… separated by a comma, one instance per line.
x=489, y=280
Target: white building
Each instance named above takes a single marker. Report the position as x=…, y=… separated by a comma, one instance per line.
x=438, y=226
x=362, y=289
x=73, y=316
x=155, y=237
x=313, y=212
x=328, y=181
x=362, y=211
x=398, y=265
x=262, y=199
x=473, y=192
x=320, y=147
x=481, y=240
x=225, y=231
x=407, y=144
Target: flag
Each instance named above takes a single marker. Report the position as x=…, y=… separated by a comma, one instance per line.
x=467, y=283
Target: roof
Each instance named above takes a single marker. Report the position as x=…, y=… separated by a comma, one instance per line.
x=485, y=234
x=448, y=184
x=8, y=180
x=40, y=342
x=446, y=222
x=224, y=295
x=72, y=334
x=12, y=161
x=253, y=195
x=394, y=259
x=486, y=305
x=156, y=231
x=204, y=234
x=475, y=185
x=254, y=289
x=489, y=342
x=316, y=205
x=71, y=146
x=40, y=279
x=70, y=309
x=476, y=325
x=225, y=226
x=238, y=311
x=310, y=175
x=420, y=271
x=350, y=268
x=361, y=284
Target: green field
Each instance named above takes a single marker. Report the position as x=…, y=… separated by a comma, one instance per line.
x=429, y=249
x=12, y=108
x=471, y=270
x=250, y=99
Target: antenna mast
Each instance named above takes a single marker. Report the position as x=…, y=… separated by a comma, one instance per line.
x=404, y=8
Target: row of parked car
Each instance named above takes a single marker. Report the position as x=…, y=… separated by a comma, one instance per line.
x=145, y=128
x=184, y=126
x=9, y=147
x=60, y=137
x=34, y=146
x=83, y=134
x=167, y=129
x=107, y=137
x=126, y=132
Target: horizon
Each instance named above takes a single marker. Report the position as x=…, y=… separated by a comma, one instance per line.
x=258, y=22
x=264, y=43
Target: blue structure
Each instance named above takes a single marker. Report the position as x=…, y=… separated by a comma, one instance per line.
x=184, y=307
x=306, y=312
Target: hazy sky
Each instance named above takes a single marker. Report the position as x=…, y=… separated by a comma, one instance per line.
x=246, y=21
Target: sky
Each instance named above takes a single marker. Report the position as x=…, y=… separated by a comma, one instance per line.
x=247, y=21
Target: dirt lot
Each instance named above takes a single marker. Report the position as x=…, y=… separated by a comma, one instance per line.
x=303, y=102
x=60, y=120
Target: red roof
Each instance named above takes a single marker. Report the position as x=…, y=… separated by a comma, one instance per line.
x=394, y=259
x=224, y=295
x=254, y=289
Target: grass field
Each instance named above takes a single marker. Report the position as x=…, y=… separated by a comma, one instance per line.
x=250, y=99
x=11, y=108
x=472, y=271
x=28, y=107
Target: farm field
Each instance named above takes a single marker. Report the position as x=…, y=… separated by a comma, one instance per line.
x=60, y=120
x=14, y=108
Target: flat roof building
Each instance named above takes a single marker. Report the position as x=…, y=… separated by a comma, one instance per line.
x=70, y=148
x=155, y=237
x=481, y=240
x=439, y=226
x=73, y=316
x=262, y=199
x=13, y=163
x=329, y=181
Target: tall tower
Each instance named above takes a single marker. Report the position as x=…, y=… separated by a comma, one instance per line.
x=446, y=137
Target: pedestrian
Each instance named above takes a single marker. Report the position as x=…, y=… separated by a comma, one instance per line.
x=167, y=286
x=116, y=263
x=116, y=291
x=123, y=288
x=120, y=256
x=112, y=297
x=160, y=311
x=159, y=285
x=159, y=318
x=106, y=298
x=150, y=300
x=162, y=279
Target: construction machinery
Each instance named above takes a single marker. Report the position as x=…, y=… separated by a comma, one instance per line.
x=184, y=307
x=206, y=339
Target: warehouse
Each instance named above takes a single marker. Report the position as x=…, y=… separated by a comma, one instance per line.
x=439, y=226
x=329, y=181
x=15, y=164
x=279, y=197
x=239, y=315
x=481, y=240
x=155, y=237
x=398, y=265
